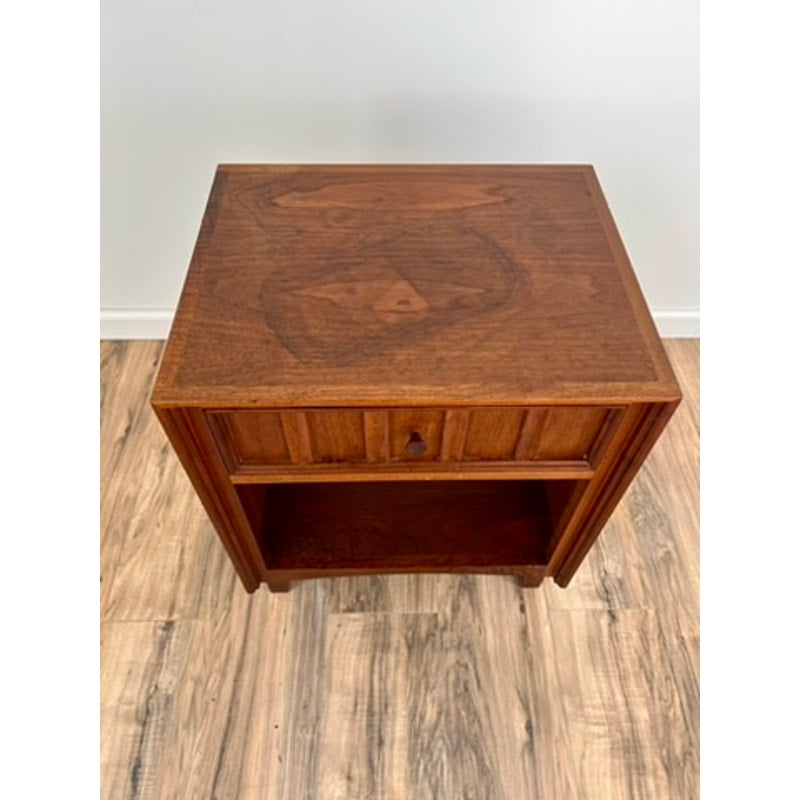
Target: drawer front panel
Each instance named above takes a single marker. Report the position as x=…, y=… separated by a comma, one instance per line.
x=251, y=439
x=492, y=434
x=336, y=436
x=566, y=433
x=415, y=434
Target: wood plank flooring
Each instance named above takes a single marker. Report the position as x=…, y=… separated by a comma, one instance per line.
x=412, y=687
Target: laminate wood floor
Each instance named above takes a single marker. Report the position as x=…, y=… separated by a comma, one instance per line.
x=413, y=687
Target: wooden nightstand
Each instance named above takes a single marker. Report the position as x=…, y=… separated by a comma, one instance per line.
x=410, y=369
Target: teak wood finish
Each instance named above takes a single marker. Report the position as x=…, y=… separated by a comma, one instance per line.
x=348, y=335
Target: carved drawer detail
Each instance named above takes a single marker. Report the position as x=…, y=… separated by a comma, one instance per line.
x=250, y=439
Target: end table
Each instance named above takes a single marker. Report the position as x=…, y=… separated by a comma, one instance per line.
x=378, y=369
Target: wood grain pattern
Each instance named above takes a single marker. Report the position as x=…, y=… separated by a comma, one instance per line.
x=403, y=686
x=570, y=432
x=409, y=470
x=336, y=436
x=376, y=436
x=454, y=434
x=144, y=516
x=449, y=284
x=298, y=437
x=530, y=433
x=608, y=485
x=197, y=450
x=251, y=438
x=492, y=433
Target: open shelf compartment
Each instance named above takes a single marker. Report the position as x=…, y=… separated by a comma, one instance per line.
x=399, y=525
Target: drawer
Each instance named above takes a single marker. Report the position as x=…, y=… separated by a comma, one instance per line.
x=254, y=439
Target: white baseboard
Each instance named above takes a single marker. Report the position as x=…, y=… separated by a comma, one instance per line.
x=678, y=324
x=135, y=323
x=154, y=323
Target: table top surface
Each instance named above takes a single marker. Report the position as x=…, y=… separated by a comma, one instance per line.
x=344, y=285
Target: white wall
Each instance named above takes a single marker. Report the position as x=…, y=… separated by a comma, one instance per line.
x=191, y=83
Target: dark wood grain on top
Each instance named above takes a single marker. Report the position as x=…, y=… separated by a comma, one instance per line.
x=387, y=285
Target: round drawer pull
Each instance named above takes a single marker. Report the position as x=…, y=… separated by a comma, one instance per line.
x=416, y=445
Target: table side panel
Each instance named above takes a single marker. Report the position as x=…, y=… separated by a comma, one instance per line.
x=195, y=445
x=638, y=431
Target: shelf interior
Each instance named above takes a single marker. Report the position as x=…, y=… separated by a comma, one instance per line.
x=405, y=524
